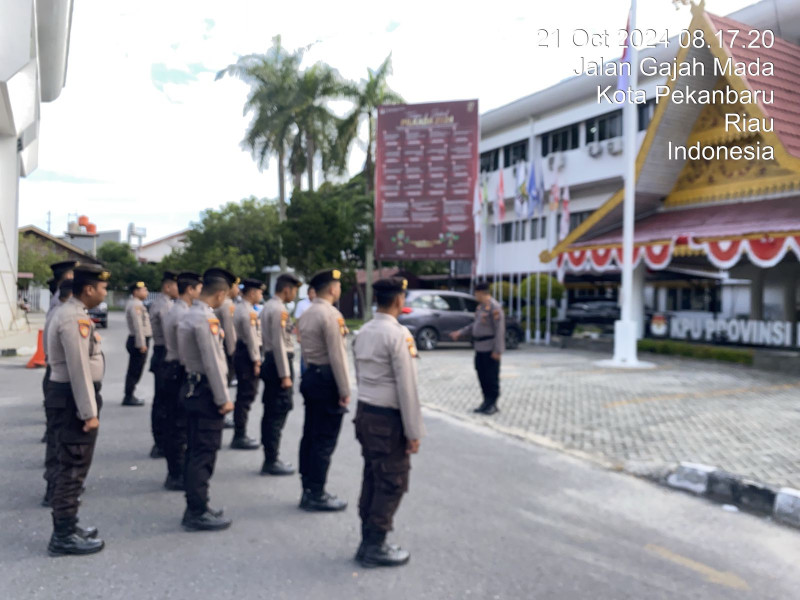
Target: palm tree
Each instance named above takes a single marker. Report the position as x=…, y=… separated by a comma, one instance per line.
x=367, y=97
x=273, y=78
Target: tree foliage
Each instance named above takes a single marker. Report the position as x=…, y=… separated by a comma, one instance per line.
x=36, y=257
x=119, y=259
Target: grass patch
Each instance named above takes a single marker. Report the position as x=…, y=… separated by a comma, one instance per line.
x=354, y=324
x=741, y=356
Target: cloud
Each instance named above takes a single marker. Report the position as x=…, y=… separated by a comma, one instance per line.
x=142, y=133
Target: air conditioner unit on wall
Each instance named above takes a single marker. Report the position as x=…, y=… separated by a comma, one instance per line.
x=556, y=162
x=594, y=149
x=615, y=146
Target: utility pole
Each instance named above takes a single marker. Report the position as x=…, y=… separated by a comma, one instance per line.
x=48, y=221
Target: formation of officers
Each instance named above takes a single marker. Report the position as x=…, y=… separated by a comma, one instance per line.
x=190, y=326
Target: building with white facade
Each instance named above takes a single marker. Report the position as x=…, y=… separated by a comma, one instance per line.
x=34, y=45
x=574, y=141
x=155, y=251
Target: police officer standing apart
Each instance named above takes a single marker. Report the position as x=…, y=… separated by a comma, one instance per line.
x=205, y=397
x=325, y=387
x=246, y=360
x=225, y=315
x=139, y=334
x=277, y=372
x=158, y=311
x=489, y=337
x=73, y=403
x=174, y=375
x=388, y=421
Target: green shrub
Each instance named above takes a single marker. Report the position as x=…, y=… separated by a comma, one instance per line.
x=503, y=288
x=675, y=348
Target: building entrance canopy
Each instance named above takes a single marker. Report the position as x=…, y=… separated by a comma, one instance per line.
x=763, y=231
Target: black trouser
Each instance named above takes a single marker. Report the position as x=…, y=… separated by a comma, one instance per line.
x=323, y=421
x=204, y=437
x=231, y=368
x=386, y=468
x=74, y=451
x=135, y=365
x=277, y=404
x=175, y=423
x=489, y=375
x=50, y=454
x=158, y=415
x=246, y=387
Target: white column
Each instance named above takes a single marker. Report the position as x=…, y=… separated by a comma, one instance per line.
x=757, y=295
x=9, y=187
x=661, y=299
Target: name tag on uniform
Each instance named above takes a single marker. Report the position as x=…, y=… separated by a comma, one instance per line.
x=213, y=325
x=84, y=327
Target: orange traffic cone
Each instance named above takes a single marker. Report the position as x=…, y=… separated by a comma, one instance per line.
x=37, y=360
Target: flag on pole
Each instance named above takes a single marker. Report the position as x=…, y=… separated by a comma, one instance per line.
x=555, y=197
x=520, y=198
x=500, y=202
x=534, y=199
x=564, y=215
x=624, y=76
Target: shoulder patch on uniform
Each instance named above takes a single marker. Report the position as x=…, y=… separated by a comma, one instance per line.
x=253, y=317
x=84, y=327
x=496, y=313
x=284, y=318
x=412, y=347
x=213, y=325
x=232, y=309
x=342, y=326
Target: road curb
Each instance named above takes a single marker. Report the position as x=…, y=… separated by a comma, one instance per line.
x=721, y=486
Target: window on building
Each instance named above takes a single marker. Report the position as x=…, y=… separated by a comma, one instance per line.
x=507, y=234
x=577, y=218
x=490, y=161
x=537, y=229
x=516, y=152
x=646, y=113
x=604, y=127
x=560, y=140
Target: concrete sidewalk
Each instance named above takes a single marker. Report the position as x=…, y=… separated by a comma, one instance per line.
x=21, y=340
x=738, y=418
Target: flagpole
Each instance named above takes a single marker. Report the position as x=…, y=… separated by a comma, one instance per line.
x=625, y=330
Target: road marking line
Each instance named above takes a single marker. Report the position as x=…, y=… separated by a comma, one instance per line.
x=705, y=394
x=725, y=578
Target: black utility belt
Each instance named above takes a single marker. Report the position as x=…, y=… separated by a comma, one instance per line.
x=324, y=369
x=484, y=338
x=195, y=378
x=378, y=410
x=65, y=387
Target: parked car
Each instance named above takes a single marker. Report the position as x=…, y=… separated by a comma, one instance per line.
x=431, y=315
x=600, y=312
x=99, y=315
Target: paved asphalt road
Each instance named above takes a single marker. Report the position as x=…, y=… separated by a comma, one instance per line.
x=486, y=517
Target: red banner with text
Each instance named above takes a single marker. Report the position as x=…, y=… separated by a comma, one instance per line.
x=426, y=169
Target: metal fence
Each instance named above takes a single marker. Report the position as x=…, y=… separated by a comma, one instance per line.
x=35, y=297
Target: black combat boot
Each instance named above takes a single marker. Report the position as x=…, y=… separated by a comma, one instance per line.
x=321, y=502
x=206, y=521
x=86, y=532
x=481, y=408
x=132, y=401
x=242, y=442
x=491, y=410
x=277, y=467
x=377, y=553
x=174, y=484
x=67, y=539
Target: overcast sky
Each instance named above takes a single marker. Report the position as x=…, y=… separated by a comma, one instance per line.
x=142, y=133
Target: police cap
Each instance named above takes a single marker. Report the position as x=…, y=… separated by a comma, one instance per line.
x=137, y=285
x=86, y=274
x=390, y=285
x=169, y=276
x=214, y=274
x=482, y=286
x=60, y=268
x=189, y=277
x=250, y=283
x=323, y=278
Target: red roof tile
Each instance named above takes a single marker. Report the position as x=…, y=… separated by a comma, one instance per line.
x=748, y=218
x=784, y=83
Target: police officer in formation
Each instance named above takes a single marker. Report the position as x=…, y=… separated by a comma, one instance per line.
x=388, y=420
x=246, y=360
x=225, y=315
x=489, y=337
x=73, y=404
x=61, y=290
x=174, y=375
x=139, y=334
x=158, y=312
x=205, y=397
x=277, y=371
x=325, y=387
